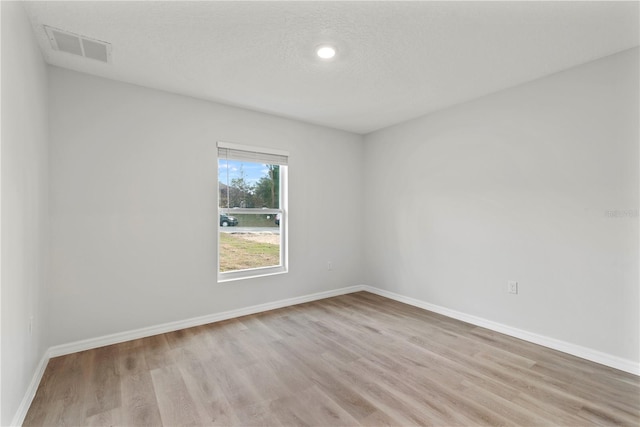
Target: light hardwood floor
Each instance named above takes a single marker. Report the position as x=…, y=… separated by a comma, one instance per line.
x=357, y=359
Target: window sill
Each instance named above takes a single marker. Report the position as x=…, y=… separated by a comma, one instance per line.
x=233, y=276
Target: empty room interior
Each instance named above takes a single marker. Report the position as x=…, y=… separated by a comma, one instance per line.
x=320, y=213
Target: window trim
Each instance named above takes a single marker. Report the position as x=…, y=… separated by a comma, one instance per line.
x=283, y=267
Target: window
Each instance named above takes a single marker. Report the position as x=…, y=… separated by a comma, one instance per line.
x=252, y=204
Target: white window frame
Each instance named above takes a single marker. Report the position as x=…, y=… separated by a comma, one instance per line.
x=254, y=155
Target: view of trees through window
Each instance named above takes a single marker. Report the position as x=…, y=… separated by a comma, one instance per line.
x=249, y=202
x=248, y=185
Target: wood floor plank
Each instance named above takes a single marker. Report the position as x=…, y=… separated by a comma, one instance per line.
x=351, y=401
x=103, y=386
x=175, y=404
x=320, y=409
x=357, y=359
x=289, y=412
x=139, y=404
x=105, y=418
x=207, y=396
x=63, y=392
x=156, y=351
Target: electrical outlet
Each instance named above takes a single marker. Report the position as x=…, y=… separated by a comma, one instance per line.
x=329, y=265
x=512, y=287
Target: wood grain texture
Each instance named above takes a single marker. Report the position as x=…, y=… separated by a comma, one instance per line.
x=357, y=359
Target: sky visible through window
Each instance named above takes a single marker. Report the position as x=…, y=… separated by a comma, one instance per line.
x=252, y=171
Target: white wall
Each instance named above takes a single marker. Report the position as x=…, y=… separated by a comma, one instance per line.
x=517, y=186
x=24, y=206
x=134, y=214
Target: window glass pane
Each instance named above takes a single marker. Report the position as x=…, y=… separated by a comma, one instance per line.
x=249, y=241
x=245, y=184
x=250, y=231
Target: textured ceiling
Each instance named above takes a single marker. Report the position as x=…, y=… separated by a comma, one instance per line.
x=396, y=60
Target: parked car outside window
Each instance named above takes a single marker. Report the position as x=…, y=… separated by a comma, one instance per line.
x=226, y=220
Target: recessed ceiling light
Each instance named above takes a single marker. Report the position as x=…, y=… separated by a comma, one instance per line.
x=326, y=52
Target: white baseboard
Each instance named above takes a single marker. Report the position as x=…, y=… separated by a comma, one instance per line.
x=563, y=346
x=18, y=418
x=119, y=337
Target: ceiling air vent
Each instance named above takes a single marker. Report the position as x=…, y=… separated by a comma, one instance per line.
x=75, y=44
